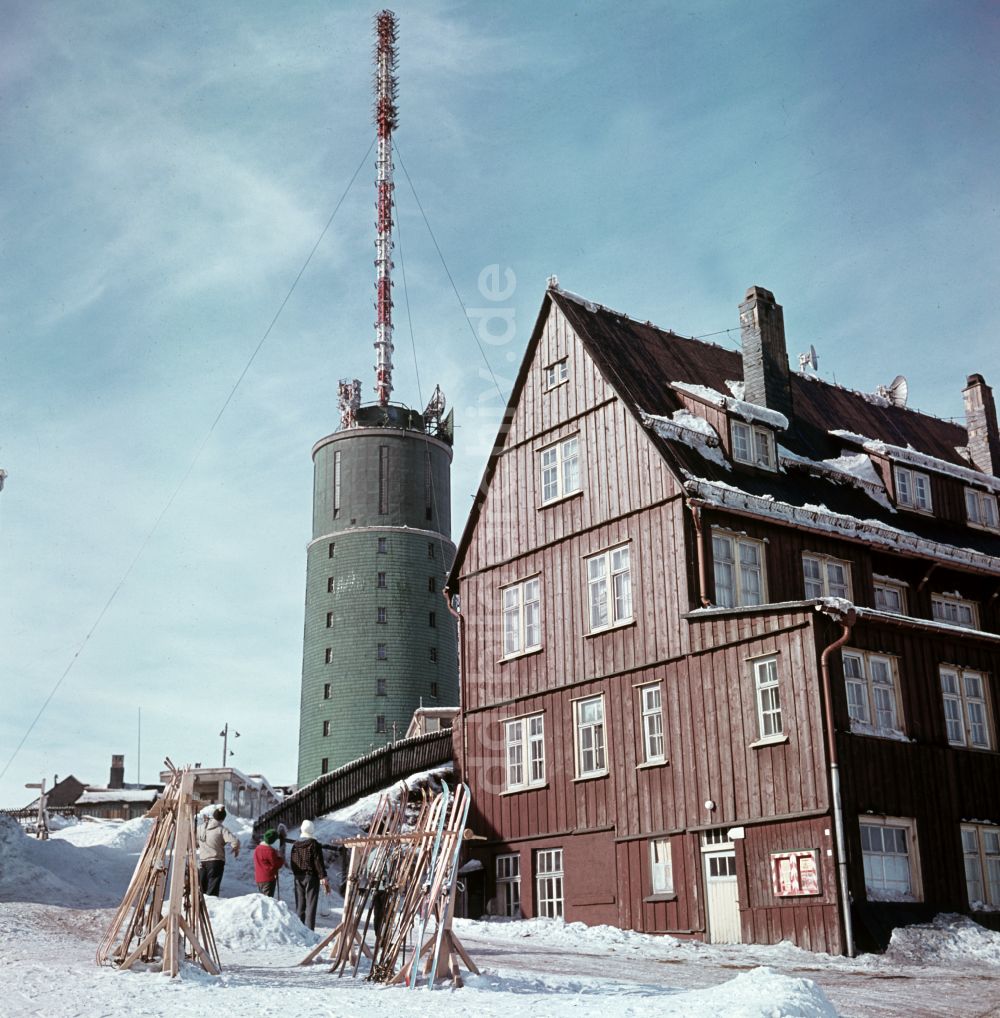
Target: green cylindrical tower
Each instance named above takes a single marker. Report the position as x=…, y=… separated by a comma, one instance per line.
x=379, y=640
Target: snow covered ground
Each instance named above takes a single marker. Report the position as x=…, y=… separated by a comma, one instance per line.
x=56, y=899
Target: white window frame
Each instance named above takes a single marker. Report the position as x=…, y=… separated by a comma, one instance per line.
x=872, y=688
x=753, y=444
x=879, y=886
x=590, y=737
x=556, y=373
x=549, y=890
x=508, y=877
x=955, y=610
x=828, y=587
x=661, y=866
x=913, y=489
x=606, y=611
x=887, y=589
x=559, y=469
x=654, y=744
x=521, y=617
x=981, y=856
x=968, y=720
x=981, y=509
x=734, y=553
x=524, y=752
x=767, y=697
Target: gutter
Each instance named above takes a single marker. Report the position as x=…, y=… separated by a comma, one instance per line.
x=695, y=507
x=460, y=623
x=846, y=624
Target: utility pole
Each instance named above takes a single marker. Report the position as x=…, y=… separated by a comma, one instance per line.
x=226, y=751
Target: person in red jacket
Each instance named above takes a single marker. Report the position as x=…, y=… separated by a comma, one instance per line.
x=266, y=863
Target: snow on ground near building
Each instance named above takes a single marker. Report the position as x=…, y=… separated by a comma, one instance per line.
x=57, y=898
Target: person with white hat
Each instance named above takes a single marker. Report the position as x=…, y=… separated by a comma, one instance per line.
x=309, y=871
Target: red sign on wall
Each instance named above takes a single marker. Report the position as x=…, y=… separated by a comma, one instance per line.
x=794, y=874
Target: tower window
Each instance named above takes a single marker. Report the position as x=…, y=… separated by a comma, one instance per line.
x=381, y=616
x=336, y=485
x=383, y=546
x=326, y=728
x=329, y=551
x=383, y=479
x=328, y=656
x=434, y=689
x=327, y=691
x=380, y=723
x=381, y=581
x=324, y=765
x=382, y=652
x=431, y=584
x=329, y=584
x=380, y=687
x=430, y=549
x=329, y=620
x=433, y=653
x=428, y=486
x=432, y=619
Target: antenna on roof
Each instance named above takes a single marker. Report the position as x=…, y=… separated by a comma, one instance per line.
x=895, y=392
x=808, y=360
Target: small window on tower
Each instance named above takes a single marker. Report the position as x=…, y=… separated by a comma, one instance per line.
x=329, y=620
x=431, y=584
x=326, y=728
x=336, y=485
x=382, y=652
x=380, y=723
x=328, y=656
x=383, y=479
x=324, y=765
x=381, y=616
x=432, y=619
x=381, y=581
x=329, y=584
x=330, y=549
x=430, y=549
x=383, y=546
x=380, y=687
x=433, y=653
x=434, y=689
x=327, y=691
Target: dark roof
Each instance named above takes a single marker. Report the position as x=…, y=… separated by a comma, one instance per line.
x=640, y=361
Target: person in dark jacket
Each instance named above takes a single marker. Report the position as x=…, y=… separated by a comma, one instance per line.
x=266, y=863
x=309, y=872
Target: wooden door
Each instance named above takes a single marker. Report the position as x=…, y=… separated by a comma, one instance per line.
x=721, y=897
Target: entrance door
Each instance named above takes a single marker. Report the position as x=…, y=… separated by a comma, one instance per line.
x=721, y=891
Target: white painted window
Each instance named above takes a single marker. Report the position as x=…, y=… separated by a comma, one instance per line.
x=765, y=673
x=560, y=464
x=981, y=852
x=753, y=444
x=509, y=885
x=913, y=489
x=549, y=883
x=739, y=570
x=524, y=740
x=956, y=610
x=889, y=850
x=661, y=866
x=521, y=610
x=872, y=693
x=557, y=373
x=652, y=722
x=826, y=577
x=591, y=755
x=981, y=508
x=890, y=595
x=966, y=711
x=336, y=487
x=609, y=588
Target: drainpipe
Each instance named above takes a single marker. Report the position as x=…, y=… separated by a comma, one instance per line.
x=460, y=622
x=831, y=748
x=700, y=548
x=927, y=576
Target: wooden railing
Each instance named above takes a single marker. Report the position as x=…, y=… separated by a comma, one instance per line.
x=367, y=774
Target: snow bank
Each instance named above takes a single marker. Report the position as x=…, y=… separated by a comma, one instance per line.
x=125, y=835
x=256, y=923
x=946, y=939
x=760, y=993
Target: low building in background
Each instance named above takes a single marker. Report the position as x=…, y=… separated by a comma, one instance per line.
x=243, y=795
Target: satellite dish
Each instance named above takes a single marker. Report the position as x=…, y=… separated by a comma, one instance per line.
x=808, y=360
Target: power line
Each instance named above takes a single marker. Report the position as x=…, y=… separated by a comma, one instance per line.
x=187, y=473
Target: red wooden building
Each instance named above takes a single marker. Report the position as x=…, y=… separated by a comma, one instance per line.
x=699, y=592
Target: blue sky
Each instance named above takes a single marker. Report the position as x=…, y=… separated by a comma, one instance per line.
x=165, y=170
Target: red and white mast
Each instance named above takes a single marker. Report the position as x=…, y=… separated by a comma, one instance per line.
x=385, y=121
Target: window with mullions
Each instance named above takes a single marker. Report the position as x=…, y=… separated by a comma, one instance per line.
x=888, y=847
x=872, y=697
x=591, y=755
x=890, y=595
x=956, y=610
x=521, y=609
x=549, y=883
x=560, y=466
x=981, y=852
x=981, y=509
x=753, y=444
x=509, y=886
x=826, y=577
x=524, y=740
x=739, y=570
x=913, y=489
x=557, y=373
x=609, y=585
x=966, y=712
x=661, y=866
x=765, y=673
x=652, y=723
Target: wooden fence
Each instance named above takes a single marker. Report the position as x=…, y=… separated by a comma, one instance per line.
x=367, y=774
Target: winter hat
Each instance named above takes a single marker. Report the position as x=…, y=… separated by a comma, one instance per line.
x=270, y=837
x=307, y=830
x=219, y=814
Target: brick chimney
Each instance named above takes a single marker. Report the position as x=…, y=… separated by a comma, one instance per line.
x=981, y=424
x=766, y=379
x=117, y=779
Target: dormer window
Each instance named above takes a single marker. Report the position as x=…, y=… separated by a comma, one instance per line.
x=981, y=509
x=557, y=373
x=753, y=444
x=913, y=489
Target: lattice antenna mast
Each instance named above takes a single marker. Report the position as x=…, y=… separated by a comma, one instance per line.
x=385, y=121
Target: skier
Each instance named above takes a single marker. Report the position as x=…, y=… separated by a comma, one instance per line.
x=266, y=863
x=309, y=871
x=213, y=838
